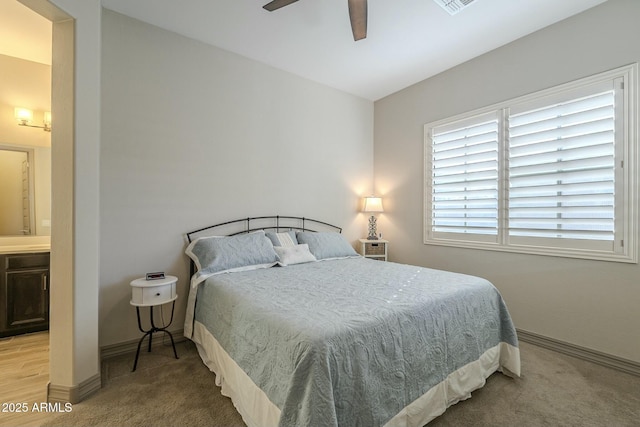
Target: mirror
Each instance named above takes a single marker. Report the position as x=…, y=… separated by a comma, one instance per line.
x=25, y=200
x=16, y=193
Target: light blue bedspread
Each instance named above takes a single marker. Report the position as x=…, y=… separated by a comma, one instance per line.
x=351, y=342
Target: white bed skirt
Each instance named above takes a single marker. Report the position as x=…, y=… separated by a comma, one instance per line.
x=251, y=402
x=258, y=411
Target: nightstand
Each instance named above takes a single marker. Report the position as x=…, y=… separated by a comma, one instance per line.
x=151, y=293
x=374, y=249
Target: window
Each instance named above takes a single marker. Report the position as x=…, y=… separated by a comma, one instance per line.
x=550, y=173
x=464, y=178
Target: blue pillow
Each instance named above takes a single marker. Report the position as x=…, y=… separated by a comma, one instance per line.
x=326, y=245
x=287, y=238
x=215, y=255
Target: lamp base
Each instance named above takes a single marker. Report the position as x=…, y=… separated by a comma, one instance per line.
x=372, y=229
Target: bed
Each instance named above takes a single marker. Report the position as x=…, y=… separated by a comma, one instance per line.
x=302, y=331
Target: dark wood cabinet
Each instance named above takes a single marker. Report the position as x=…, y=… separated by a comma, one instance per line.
x=24, y=292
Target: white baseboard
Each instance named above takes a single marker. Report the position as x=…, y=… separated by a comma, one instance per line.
x=604, y=359
x=127, y=347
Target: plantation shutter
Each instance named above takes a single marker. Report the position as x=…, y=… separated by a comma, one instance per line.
x=549, y=173
x=464, y=177
x=562, y=169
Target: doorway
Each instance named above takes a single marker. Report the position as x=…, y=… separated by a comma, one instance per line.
x=75, y=156
x=26, y=56
x=75, y=107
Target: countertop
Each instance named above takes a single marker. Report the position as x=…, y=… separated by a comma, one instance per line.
x=19, y=249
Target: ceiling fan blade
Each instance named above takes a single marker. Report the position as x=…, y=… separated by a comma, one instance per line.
x=358, y=16
x=277, y=4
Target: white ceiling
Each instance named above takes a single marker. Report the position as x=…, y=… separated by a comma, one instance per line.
x=407, y=41
x=23, y=33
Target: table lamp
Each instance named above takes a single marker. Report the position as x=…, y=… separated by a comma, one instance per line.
x=372, y=205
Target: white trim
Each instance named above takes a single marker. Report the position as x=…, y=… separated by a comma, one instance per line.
x=629, y=71
x=626, y=178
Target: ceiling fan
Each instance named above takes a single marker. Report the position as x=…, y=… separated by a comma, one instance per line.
x=357, y=14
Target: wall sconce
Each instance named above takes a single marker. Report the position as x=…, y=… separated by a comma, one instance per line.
x=25, y=117
x=372, y=204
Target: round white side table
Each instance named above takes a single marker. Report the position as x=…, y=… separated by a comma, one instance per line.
x=151, y=293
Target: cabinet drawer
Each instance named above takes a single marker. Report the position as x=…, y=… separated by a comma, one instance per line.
x=153, y=295
x=374, y=248
x=18, y=262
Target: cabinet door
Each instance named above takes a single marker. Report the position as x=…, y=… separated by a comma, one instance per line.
x=27, y=299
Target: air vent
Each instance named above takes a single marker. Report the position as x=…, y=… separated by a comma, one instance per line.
x=454, y=6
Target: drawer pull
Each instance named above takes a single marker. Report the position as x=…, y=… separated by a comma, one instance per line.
x=44, y=282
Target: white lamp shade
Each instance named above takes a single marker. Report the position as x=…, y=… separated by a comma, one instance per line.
x=23, y=115
x=47, y=118
x=372, y=204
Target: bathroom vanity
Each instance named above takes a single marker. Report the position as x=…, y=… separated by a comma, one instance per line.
x=24, y=292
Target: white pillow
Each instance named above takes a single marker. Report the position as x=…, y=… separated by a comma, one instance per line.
x=297, y=254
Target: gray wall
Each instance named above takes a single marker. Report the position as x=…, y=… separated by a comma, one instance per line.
x=193, y=135
x=587, y=303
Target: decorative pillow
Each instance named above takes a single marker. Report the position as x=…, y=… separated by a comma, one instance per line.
x=288, y=238
x=297, y=254
x=326, y=245
x=215, y=255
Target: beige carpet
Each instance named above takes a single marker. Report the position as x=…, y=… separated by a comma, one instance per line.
x=555, y=390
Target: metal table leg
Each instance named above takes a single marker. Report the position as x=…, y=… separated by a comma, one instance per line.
x=150, y=332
